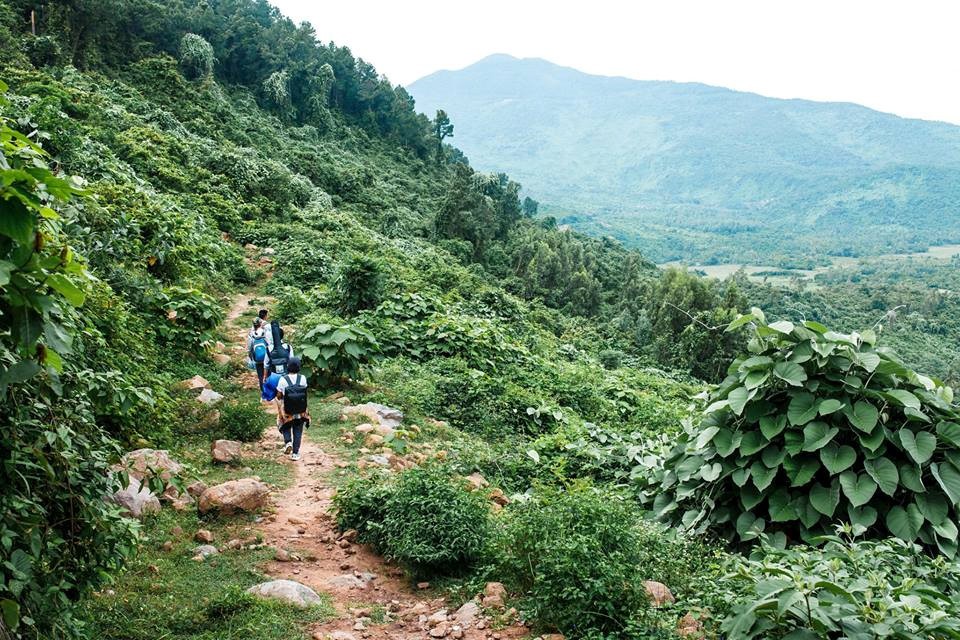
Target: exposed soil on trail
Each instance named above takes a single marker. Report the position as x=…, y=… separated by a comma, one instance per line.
x=372, y=597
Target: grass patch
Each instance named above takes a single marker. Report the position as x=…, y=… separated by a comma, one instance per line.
x=167, y=595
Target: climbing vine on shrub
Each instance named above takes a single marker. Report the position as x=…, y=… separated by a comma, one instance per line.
x=814, y=427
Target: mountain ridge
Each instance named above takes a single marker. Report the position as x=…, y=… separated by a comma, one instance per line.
x=663, y=163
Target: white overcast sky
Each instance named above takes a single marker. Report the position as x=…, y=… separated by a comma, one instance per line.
x=898, y=56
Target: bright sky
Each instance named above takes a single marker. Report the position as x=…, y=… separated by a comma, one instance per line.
x=900, y=56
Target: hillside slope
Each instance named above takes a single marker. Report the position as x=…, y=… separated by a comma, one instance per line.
x=707, y=166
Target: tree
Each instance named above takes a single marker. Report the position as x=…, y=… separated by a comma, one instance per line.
x=196, y=56
x=530, y=207
x=442, y=128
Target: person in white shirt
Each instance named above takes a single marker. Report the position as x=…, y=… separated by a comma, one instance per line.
x=292, y=408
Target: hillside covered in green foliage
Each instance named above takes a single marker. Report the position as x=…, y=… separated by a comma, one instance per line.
x=704, y=174
x=161, y=160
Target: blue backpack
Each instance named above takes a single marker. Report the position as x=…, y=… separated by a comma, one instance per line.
x=259, y=349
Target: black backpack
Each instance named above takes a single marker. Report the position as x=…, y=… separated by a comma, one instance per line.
x=279, y=355
x=294, y=397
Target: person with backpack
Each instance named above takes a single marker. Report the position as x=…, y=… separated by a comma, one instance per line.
x=292, y=408
x=258, y=350
x=280, y=351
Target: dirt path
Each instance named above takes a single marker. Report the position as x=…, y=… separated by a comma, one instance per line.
x=372, y=598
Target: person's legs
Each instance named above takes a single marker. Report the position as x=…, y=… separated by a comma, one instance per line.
x=260, y=375
x=288, y=438
x=297, y=435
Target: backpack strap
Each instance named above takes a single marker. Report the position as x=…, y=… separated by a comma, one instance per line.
x=289, y=381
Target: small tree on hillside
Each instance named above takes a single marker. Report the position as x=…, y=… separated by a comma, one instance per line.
x=196, y=56
x=442, y=128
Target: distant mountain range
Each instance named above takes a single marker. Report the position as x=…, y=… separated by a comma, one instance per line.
x=700, y=173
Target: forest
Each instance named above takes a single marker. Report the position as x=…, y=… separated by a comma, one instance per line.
x=782, y=461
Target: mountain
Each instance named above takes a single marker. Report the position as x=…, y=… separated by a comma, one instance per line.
x=690, y=171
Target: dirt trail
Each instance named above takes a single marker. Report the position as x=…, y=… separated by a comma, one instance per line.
x=360, y=583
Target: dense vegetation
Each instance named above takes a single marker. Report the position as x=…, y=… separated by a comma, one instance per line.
x=563, y=364
x=697, y=173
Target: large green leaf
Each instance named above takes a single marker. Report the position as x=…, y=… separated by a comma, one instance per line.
x=864, y=416
x=817, y=434
x=884, y=473
x=749, y=526
x=65, y=287
x=933, y=506
x=858, y=488
x=17, y=222
x=837, y=458
x=866, y=517
x=911, y=478
x=790, y=372
x=771, y=426
x=752, y=442
x=920, y=445
x=761, y=475
x=726, y=442
x=825, y=499
x=948, y=478
x=780, y=506
x=801, y=470
x=706, y=436
x=828, y=406
x=802, y=408
x=750, y=497
x=738, y=398
x=949, y=431
x=903, y=398
x=905, y=523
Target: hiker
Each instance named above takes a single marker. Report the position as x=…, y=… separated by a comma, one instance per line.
x=258, y=323
x=292, y=408
x=280, y=351
x=258, y=350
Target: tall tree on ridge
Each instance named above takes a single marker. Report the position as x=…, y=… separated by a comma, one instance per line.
x=442, y=128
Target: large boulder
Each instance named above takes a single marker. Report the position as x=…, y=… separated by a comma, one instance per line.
x=209, y=397
x=147, y=463
x=136, y=499
x=179, y=501
x=287, y=591
x=225, y=450
x=245, y=494
x=194, y=384
x=378, y=414
x=658, y=593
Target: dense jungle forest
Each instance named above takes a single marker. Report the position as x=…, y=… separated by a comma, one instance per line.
x=517, y=429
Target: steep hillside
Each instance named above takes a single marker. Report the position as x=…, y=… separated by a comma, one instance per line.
x=689, y=171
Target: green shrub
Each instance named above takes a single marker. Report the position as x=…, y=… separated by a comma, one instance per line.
x=433, y=524
x=581, y=557
x=815, y=427
x=424, y=519
x=611, y=358
x=362, y=505
x=339, y=351
x=196, y=56
x=242, y=420
x=359, y=283
x=844, y=589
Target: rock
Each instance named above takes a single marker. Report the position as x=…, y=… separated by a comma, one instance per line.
x=209, y=397
x=553, y=636
x=167, y=546
x=177, y=531
x=497, y=497
x=350, y=581
x=281, y=555
x=225, y=450
x=366, y=427
x=335, y=635
x=147, y=463
x=376, y=413
x=203, y=535
x=196, y=383
x=197, y=488
x=343, y=400
x=136, y=499
x=221, y=359
x=689, y=627
x=269, y=251
x=658, y=592
x=373, y=440
x=246, y=494
x=437, y=617
x=423, y=585
x=385, y=430
x=235, y=543
x=493, y=595
x=180, y=502
x=350, y=535
x=380, y=460
x=219, y=346
x=475, y=482
x=206, y=550
x=442, y=630
x=287, y=591
x=467, y=614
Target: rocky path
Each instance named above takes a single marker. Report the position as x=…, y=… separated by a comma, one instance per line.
x=372, y=598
